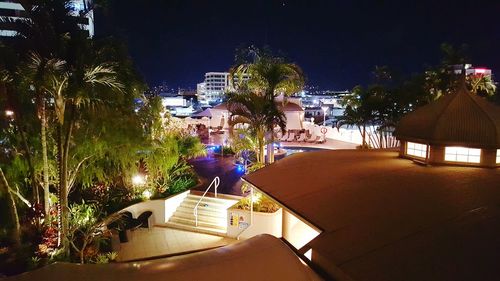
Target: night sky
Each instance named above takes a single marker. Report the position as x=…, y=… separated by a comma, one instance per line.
x=337, y=43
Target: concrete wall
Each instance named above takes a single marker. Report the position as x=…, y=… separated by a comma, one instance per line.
x=162, y=209
x=297, y=232
x=238, y=224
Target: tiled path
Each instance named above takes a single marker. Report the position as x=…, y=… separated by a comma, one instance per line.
x=160, y=241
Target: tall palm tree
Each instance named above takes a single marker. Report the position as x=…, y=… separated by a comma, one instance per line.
x=269, y=77
x=73, y=90
x=260, y=113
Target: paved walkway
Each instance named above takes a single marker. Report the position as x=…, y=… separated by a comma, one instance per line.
x=160, y=241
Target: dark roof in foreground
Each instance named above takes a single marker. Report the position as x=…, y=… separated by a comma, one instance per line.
x=460, y=118
x=387, y=218
x=262, y=257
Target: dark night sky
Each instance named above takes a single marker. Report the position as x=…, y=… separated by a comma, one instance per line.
x=337, y=43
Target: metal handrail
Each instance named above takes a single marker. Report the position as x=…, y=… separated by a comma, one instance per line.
x=215, y=182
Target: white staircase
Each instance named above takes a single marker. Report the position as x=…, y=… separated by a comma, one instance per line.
x=212, y=215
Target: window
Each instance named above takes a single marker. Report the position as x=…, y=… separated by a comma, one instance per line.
x=462, y=154
x=498, y=156
x=416, y=149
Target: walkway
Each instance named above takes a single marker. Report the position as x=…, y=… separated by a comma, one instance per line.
x=161, y=241
x=209, y=167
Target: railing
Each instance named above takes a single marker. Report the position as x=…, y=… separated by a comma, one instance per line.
x=215, y=182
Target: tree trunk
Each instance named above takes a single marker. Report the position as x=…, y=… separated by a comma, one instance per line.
x=364, y=136
x=16, y=234
x=46, y=193
x=270, y=147
x=63, y=155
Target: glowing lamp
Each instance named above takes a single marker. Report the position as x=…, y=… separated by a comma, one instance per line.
x=138, y=180
x=147, y=194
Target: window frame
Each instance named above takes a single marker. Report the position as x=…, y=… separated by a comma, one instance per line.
x=461, y=157
x=415, y=148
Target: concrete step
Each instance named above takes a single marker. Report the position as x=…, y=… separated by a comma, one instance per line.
x=199, y=229
x=203, y=212
x=212, y=199
x=204, y=206
x=191, y=222
x=213, y=203
x=203, y=218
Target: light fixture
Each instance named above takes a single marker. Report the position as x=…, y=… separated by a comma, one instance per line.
x=147, y=194
x=9, y=113
x=138, y=180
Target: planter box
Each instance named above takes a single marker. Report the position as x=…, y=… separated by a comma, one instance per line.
x=238, y=223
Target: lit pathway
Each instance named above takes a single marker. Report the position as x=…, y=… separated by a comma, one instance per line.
x=160, y=241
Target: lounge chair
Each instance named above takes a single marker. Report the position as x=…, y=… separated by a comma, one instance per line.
x=143, y=219
x=284, y=137
x=291, y=137
x=302, y=137
x=312, y=139
x=321, y=139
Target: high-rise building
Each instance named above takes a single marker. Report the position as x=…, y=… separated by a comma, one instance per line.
x=215, y=85
x=13, y=10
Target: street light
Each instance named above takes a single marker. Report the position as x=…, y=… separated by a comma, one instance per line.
x=325, y=108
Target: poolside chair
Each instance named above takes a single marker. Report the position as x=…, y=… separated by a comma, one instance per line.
x=302, y=137
x=291, y=137
x=313, y=138
x=284, y=137
x=321, y=139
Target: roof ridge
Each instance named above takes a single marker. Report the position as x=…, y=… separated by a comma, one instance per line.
x=438, y=117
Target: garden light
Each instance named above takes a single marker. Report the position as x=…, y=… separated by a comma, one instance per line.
x=138, y=180
x=147, y=194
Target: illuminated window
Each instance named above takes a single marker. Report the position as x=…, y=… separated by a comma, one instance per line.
x=498, y=156
x=462, y=154
x=416, y=149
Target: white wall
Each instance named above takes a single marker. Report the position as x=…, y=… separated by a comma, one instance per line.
x=263, y=223
x=351, y=134
x=297, y=232
x=162, y=209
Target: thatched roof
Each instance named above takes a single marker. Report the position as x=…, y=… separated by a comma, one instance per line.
x=460, y=118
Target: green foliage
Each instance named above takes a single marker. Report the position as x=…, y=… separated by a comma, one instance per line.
x=261, y=202
x=105, y=258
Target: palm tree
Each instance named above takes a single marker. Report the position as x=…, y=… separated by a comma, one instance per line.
x=358, y=112
x=269, y=77
x=73, y=90
x=479, y=83
x=259, y=112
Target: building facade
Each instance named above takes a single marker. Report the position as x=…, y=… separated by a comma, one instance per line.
x=215, y=85
x=13, y=10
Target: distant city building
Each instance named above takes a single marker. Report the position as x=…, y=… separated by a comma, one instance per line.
x=470, y=70
x=214, y=87
x=313, y=102
x=13, y=10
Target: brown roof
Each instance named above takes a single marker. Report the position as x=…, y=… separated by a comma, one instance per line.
x=290, y=106
x=262, y=257
x=221, y=106
x=459, y=118
x=387, y=218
